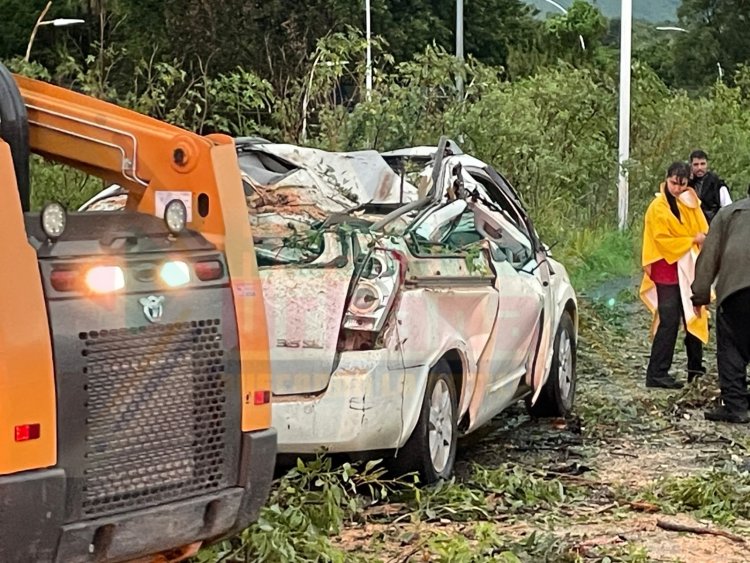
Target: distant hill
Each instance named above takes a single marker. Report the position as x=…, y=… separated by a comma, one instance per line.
x=649, y=10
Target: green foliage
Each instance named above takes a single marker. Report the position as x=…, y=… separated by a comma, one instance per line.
x=450, y=500
x=581, y=20
x=503, y=490
x=652, y=11
x=307, y=506
x=484, y=543
x=717, y=34
x=56, y=182
x=721, y=494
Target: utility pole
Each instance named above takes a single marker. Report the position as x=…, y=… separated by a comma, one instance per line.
x=626, y=25
x=368, y=73
x=460, y=46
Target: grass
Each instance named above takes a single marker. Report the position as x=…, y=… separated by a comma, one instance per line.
x=593, y=256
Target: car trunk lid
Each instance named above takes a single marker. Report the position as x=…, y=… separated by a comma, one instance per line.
x=305, y=309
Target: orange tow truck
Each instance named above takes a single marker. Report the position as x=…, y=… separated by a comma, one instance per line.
x=135, y=416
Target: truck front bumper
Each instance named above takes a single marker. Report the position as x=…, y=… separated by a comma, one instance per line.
x=33, y=528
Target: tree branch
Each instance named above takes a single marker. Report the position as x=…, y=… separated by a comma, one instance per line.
x=677, y=527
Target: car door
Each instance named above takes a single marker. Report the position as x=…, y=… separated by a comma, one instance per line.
x=519, y=327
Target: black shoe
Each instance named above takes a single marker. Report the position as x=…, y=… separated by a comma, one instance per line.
x=695, y=374
x=722, y=414
x=664, y=383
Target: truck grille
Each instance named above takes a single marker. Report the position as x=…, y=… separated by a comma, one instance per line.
x=157, y=415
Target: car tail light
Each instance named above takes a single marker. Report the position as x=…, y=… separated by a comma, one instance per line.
x=65, y=280
x=366, y=299
x=373, y=293
x=262, y=397
x=209, y=270
x=105, y=279
x=25, y=432
x=175, y=273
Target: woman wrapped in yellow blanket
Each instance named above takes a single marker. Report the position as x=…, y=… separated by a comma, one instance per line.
x=674, y=231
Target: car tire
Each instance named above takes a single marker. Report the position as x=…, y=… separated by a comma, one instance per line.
x=557, y=395
x=431, y=448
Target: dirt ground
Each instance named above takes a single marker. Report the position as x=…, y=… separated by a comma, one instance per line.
x=622, y=439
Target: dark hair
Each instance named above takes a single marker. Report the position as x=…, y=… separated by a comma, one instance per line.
x=679, y=169
x=698, y=153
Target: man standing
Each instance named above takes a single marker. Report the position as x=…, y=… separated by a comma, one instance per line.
x=712, y=190
x=726, y=258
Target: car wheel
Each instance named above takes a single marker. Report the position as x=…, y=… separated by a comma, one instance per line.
x=431, y=449
x=558, y=393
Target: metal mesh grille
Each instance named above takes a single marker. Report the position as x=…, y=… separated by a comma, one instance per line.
x=157, y=415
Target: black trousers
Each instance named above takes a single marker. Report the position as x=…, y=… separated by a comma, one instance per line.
x=662, y=348
x=733, y=349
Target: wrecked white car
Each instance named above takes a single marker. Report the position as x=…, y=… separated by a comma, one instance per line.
x=409, y=300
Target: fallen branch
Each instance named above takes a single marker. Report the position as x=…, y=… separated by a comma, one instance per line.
x=677, y=527
x=643, y=506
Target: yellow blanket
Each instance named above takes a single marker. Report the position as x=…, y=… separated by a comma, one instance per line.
x=666, y=237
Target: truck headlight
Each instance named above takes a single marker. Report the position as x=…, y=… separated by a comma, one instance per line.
x=175, y=216
x=175, y=273
x=54, y=219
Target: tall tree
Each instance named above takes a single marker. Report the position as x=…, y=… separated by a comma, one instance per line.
x=717, y=35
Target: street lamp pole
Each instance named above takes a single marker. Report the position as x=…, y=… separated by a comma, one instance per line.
x=59, y=22
x=36, y=27
x=368, y=74
x=460, y=46
x=626, y=28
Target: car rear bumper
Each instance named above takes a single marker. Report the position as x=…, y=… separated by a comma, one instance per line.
x=366, y=406
x=32, y=507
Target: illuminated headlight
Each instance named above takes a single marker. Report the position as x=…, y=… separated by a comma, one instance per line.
x=366, y=299
x=54, y=219
x=175, y=274
x=105, y=279
x=175, y=216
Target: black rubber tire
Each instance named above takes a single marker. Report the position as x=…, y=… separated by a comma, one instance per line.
x=415, y=455
x=551, y=403
x=14, y=130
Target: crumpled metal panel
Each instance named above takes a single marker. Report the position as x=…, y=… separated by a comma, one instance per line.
x=432, y=321
x=304, y=312
x=322, y=184
x=359, y=176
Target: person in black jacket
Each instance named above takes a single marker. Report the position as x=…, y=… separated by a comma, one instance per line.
x=712, y=190
x=725, y=260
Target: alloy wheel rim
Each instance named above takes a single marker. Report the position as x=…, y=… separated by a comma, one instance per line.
x=565, y=363
x=441, y=425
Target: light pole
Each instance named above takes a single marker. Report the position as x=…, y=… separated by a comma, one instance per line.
x=626, y=29
x=59, y=22
x=460, y=46
x=564, y=11
x=368, y=71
